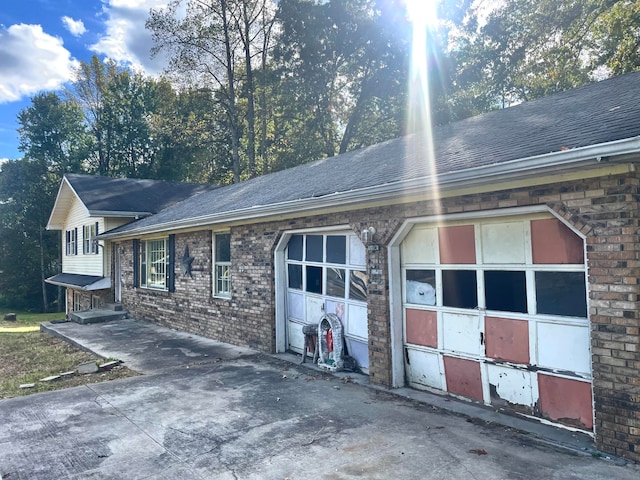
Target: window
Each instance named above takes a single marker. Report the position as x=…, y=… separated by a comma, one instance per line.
x=506, y=291
x=222, y=265
x=459, y=288
x=77, y=301
x=71, y=241
x=153, y=263
x=90, y=244
x=327, y=264
x=95, y=301
x=562, y=293
x=421, y=287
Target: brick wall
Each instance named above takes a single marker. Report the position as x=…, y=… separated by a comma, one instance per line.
x=105, y=296
x=605, y=210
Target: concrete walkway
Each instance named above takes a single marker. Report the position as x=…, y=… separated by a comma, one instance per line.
x=206, y=410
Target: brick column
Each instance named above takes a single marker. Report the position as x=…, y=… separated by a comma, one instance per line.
x=613, y=253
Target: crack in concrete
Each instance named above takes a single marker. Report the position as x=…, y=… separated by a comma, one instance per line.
x=140, y=429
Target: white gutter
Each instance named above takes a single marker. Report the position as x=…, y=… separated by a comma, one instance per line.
x=116, y=214
x=514, y=169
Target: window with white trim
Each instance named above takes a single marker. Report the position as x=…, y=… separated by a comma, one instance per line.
x=222, y=265
x=71, y=241
x=90, y=245
x=153, y=263
x=77, y=301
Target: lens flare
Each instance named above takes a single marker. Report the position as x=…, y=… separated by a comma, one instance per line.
x=423, y=16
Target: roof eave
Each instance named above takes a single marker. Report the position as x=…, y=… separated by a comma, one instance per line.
x=514, y=169
x=118, y=214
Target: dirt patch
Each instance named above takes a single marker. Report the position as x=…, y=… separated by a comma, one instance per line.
x=26, y=358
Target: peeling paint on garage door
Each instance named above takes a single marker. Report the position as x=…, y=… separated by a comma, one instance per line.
x=495, y=310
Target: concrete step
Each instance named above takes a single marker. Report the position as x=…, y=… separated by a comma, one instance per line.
x=116, y=307
x=97, y=315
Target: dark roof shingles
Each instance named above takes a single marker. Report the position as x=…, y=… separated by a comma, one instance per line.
x=593, y=114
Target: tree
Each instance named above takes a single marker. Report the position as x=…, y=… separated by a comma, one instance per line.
x=211, y=46
x=617, y=38
x=52, y=132
x=88, y=91
x=128, y=101
x=29, y=252
x=528, y=49
x=343, y=66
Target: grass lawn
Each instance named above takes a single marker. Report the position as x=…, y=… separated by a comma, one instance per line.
x=29, y=357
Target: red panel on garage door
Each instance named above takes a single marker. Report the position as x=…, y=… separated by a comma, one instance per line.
x=507, y=339
x=553, y=242
x=566, y=401
x=422, y=327
x=463, y=377
x=457, y=244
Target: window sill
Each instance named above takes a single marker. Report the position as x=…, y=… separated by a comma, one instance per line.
x=221, y=297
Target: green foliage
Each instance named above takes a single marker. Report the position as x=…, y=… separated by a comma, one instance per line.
x=29, y=253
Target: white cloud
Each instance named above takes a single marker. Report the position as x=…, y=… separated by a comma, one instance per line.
x=32, y=61
x=126, y=40
x=75, y=27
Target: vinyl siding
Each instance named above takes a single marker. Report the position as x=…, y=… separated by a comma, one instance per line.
x=89, y=264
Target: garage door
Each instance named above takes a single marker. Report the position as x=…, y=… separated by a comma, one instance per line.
x=326, y=274
x=496, y=311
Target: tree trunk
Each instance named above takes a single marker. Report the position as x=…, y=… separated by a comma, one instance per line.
x=45, y=301
x=251, y=114
x=233, y=116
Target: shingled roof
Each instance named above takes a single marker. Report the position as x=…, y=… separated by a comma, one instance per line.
x=119, y=197
x=583, y=124
x=106, y=194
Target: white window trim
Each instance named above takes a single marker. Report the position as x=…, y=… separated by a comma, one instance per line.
x=146, y=267
x=89, y=244
x=223, y=266
x=77, y=301
x=71, y=241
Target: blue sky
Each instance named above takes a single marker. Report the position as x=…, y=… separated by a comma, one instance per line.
x=42, y=41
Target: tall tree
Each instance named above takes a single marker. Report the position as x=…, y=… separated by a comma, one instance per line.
x=342, y=63
x=52, y=132
x=29, y=253
x=212, y=45
x=525, y=49
x=127, y=104
x=88, y=91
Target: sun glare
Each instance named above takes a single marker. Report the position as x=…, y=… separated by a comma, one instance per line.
x=422, y=12
x=423, y=16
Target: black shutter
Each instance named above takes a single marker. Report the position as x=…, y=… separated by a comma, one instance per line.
x=76, y=244
x=136, y=262
x=171, y=270
x=95, y=240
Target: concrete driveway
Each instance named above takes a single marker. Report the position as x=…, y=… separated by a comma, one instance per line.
x=205, y=410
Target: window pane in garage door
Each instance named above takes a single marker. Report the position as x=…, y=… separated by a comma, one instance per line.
x=561, y=293
x=459, y=288
x=505, y=291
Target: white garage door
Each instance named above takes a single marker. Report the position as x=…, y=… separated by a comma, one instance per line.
x=496, y=311
x=326, y=274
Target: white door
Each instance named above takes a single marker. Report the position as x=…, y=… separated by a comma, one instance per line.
x=326, y=274
x=495, y=310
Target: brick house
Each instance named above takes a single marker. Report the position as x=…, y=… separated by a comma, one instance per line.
x=85, y=207
x=498, y=263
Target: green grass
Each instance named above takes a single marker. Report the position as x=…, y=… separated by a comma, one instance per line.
x=29, y=318
x=29, y=357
